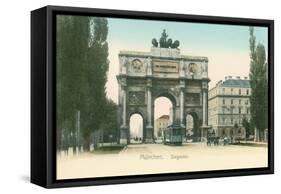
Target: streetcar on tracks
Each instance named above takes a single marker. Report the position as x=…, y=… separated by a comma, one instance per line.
x=173, y=135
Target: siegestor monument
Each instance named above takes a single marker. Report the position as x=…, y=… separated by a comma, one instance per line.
x=162, y=72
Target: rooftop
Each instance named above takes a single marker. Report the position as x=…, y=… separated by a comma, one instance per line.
x=236, y=83
x=173, y=53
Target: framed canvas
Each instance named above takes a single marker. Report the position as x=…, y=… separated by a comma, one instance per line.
x=126, y=96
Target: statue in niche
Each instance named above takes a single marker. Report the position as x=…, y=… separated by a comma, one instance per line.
x=192, y=67
x=148, y=66
x=123, y=67
x=123, y=60
x=182, y=68
x=205, y=67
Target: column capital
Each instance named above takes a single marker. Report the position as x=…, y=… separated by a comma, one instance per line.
x=205, y=85
x=182, y=88
x=123, y=82
x=149, y=83
x=182, y=84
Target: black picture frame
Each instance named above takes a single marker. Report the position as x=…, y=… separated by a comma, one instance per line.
x=43, y=96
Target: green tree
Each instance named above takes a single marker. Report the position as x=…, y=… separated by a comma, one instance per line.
x=109, y=123
x=82, y=65
x=259, y=84
x=72, y=41
x=96, y=67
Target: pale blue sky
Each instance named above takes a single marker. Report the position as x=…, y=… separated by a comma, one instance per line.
x=226, y=46
x=191, y=35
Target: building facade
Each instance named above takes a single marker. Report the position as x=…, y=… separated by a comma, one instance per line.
x=228, y=105
x=161, y=124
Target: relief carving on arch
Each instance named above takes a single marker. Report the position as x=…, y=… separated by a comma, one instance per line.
x=192, y=98
x=137, y=66
x=136, y=98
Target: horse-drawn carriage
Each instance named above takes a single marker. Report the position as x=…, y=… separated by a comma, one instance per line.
x=212, y=138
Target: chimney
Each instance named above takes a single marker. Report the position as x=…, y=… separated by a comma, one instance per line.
x=237, y=77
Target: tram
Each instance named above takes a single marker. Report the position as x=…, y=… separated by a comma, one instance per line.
x=173, y=135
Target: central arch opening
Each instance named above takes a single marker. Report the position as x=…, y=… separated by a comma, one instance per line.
x=163, y=116
x=136, y=128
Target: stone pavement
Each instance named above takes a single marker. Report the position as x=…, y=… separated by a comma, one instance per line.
x=159, y=158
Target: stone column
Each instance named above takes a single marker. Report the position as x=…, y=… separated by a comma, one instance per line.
x=124, y=128
x=149, y=135
x=204, y=127
x=148, y=92
x=205, y=107
x=181, y=106
x=149, y=107
x=124, y=106
x=182, y=87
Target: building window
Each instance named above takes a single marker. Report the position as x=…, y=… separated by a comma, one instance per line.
x=239, y=91
x=231, y=101
x=239, y=101
x=247, y=91
x=247, y=110
x=239, y=110
x=231, y=120
x=246, y=102
x=223, y=101
x=231, y=90
x=223, y=90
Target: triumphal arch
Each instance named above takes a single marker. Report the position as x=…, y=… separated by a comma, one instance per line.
x=164, y=71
